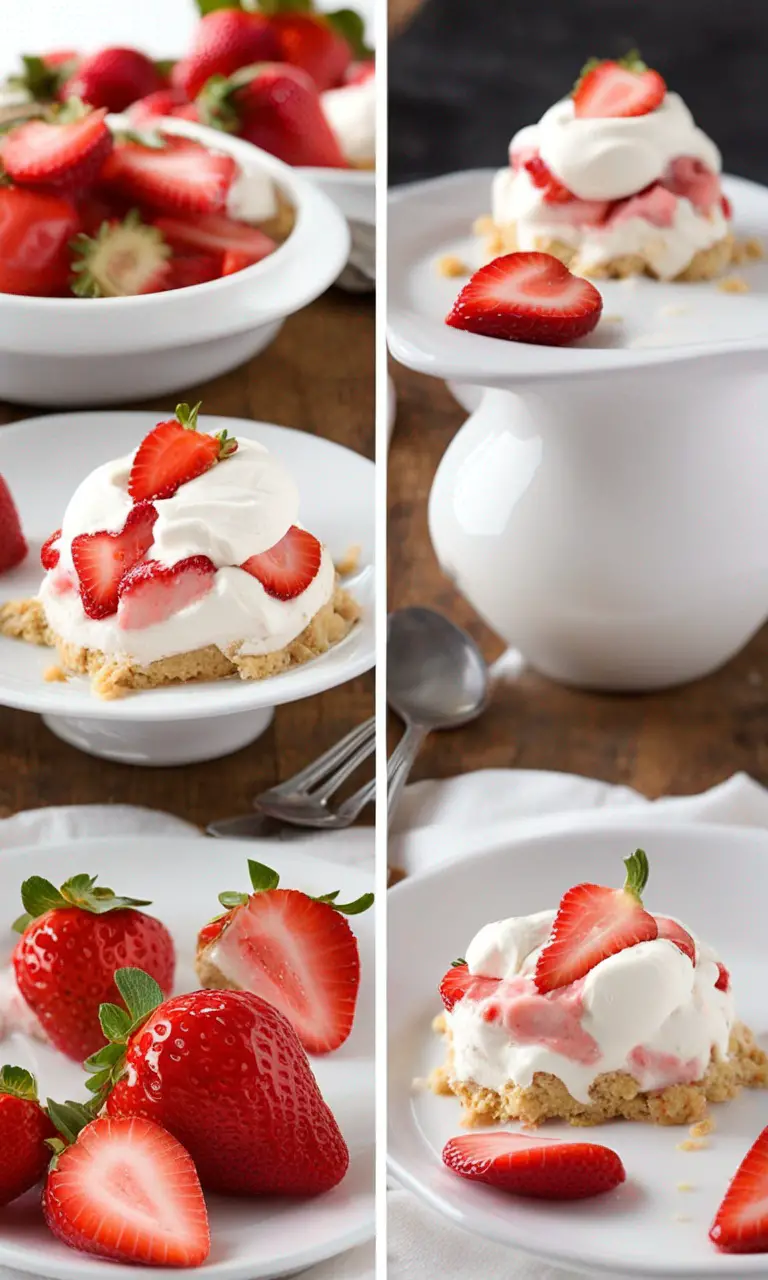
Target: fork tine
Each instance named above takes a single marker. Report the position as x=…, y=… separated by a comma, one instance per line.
x=301, y=782
x=349, y=810
x=332, y=784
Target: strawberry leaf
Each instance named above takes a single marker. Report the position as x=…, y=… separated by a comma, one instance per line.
x=457, y=964
x=351, y=27
x=164, y=66
x=637, y=874
x=69, y=1117
x=210, y=6
x=21, y=922
x=262, y=878
x=39, y=895
x=115, y=1023
x=18, y=1082
x=107, y=1056
x=188, y=416
x=97, y=1082
x=354, y=908
x=232, y=899
x=271, y=7
x=140, y=993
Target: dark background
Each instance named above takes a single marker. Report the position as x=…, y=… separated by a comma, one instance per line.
x=466, y=74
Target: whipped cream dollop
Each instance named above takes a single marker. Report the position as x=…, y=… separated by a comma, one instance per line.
x=240, y=507
x=252, y=197
x=15, y=1014
x=647, y=1010
x=351, y=113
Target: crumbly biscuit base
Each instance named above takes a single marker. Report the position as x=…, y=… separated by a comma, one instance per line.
x=614, y=1095
x=282, y=222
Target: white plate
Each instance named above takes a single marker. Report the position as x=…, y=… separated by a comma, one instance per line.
x=250, y=1238
x=337, y=503
x=716, y=879
x=661, y=322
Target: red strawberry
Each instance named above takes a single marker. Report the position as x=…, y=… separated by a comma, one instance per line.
x=224, y=41
x=689, y=177
x=65, y=156
x=72, y=940
x=235, y=261
x=723, y=978
x=49, y=552
x=459, y=982
x=151, y=592
x=295, y=951
x=173, y=453
x=656, y=204
x=127, y=1190
x=194, y=268
x=179, y=176
x=542, y=1168
x=122, y=260
x=527, y=297
x=726, y=207
x=311, y=41
x=114, y=78
x=541, y=176
x=217, y=234
x=101, y=560
x=741, y=1222
x=287, y=568
x=360, y=72
x=97, y=207
x=618, y=89
x=35, y=231
x=13, y=544
x=593, y=923
x=24, y=1131
x=674, y=932
x=163, y=102
x=224, y=1072
x=276, y=107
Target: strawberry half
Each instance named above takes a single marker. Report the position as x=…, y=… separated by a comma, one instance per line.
x=593, y=923
x=527, y=297
x=163, y=102
x=65, y=156
x=674, y=932
x=541, y=176
x=217, y=234
x=122, y=260
x=151, y=592
x=101, y=560
x=741, y=1222
x=459, y=982
x=610, y=90
x=174, y=453
x=723, y=978
x=287, y=568
x=178, y=176
x=541, y=1168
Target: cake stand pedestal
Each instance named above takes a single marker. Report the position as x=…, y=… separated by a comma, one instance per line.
x=161, y=743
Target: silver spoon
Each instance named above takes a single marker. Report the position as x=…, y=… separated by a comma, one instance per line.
x=437, y=678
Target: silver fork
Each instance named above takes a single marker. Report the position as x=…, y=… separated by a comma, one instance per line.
x=304, y=799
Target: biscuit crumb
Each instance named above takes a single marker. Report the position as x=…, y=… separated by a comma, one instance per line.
x=439, y=1025
x=419, y=1084
x=733, y=284
x=439, y=1083
x=451, y=266
x=691, y=1144
x=685, y=1186
x=613, y=319
x=702, y=1128
x=484, y=226
x=349, y=562
x=55, y=675
x=750, y=250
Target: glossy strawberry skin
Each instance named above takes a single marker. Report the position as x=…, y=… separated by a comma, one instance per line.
x=65, y=962
x=24, y=1157
x=458, y=982
x=224, y=1072
x=35, y=231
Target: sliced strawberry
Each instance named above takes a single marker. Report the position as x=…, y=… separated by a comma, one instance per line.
x=723, y=978
x=213, y=930
x=674, y=932
x=541, y=176
x=64, y=157
x=609, y=90
x=173, y=453
x=215, y=233
x=151, y=592
x=49, y=552
x=541, y=1168
x=13, y=544
x=235, y=261
x=593, y=923
x=656, y=204
x=520, y=155
x=360, y=72
x=178, y=176
x=687, y=176
x=163, y=102
x=287, y=568
x=101, y=560
x=741, y=1222
x=459, y=982
x=527, y=297
x=122, y=260
x=726, y=208
x=35, y=231
x=127, y=1190
x=96, y=208
x=194, y=268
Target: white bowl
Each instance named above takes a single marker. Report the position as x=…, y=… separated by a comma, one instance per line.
x=70, y=351
x=181, y=723
x=354, y=192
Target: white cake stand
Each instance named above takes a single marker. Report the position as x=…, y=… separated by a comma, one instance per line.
x=187, y=723
x=604, y=505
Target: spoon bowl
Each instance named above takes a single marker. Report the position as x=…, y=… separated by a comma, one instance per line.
x=436, y=675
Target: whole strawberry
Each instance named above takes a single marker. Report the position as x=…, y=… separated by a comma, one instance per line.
x=224, y=1072
x=13, y=544
x=321, y=44
x=24, y=1130
x=224, y=41
x=114, y=78
x=73, y=939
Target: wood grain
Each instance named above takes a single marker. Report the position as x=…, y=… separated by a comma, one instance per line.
x=318, y=376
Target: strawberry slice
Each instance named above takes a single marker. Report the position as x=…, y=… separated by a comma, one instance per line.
x=49, y=552
x=541, y=1168
x=64, y=157
x=723, y=978
x=163, y=102
x=610, y=90
x=459, y=982
x=175, y=452
x=687, y=176
x=674, y=932
x=527, y=297
x=541, y=176
x=127, y=1190
x=235, y=261
x=151, y=592
x=193, y=268
x=122, y=260
x=656, y=204
x=287, y=568
x=741, y=1222
x=178, y=176
x=726, y=208
x=593, y=923
x=215, y=233
x=101, y=560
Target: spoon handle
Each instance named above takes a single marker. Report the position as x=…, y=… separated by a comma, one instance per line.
x=400, y=764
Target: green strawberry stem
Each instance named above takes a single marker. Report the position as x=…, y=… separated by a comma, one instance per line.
x=141, y=995
x=18, y=1082
x=637, y=874
x=69, y=1118
x=188, y=416
x=630, y=62
x=39, y=895
x=263, y=879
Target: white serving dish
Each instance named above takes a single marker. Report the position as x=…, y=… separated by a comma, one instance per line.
x=75, y=351
x=713, y=878
x=251, y=1239
x=184, y=723
x=354, y=192
x=603, y=507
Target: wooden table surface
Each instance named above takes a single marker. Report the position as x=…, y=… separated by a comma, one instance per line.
x=676, y=742
x=317, y=376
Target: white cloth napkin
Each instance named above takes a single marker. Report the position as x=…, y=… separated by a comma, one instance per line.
x=484, y=806
x=53, y=825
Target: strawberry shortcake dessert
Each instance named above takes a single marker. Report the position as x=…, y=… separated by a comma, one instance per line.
x=596, y=1011
x=616, y=180
x=184, y=561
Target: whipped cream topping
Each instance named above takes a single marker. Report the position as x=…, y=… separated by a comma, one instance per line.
x=647, y=1010
x=15, y=1014
x=252, y=197
x=351, y=113
x=239, y=508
